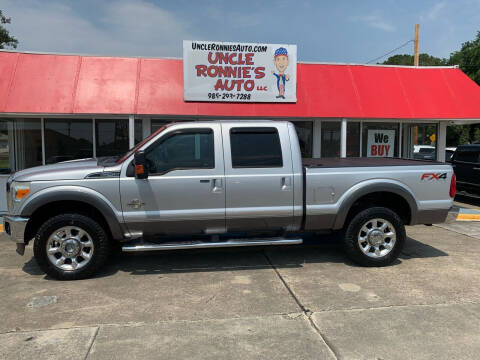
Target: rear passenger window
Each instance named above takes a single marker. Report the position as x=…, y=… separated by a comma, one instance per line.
x=255, y=147
x=467, y=156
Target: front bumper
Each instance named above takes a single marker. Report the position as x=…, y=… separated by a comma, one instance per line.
x=14, y=227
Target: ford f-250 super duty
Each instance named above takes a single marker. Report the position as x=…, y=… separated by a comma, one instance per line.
x=237, y=183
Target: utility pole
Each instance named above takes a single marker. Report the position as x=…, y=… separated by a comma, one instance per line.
x=415, y=51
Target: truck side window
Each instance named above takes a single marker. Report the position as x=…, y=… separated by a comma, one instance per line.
x=183, y=149
x=255, y=147
x=467, y=156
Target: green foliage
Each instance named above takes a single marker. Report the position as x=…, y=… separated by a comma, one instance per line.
x=423, y=59
x=468, y=58
x=458, y=135
x=5, y=39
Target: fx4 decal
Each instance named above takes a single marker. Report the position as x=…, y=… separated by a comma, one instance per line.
x=434, y=176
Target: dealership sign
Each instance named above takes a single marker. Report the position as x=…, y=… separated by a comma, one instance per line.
x=381, y=143
x=242, y=72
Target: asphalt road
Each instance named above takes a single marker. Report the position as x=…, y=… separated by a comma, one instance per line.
x=298, y=302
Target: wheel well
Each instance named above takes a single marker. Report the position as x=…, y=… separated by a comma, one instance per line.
x=44, y=212
x=389, y=200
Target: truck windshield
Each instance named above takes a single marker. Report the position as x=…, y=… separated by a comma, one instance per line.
x=140, y=144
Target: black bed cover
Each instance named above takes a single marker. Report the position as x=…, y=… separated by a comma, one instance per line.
x=364, y=162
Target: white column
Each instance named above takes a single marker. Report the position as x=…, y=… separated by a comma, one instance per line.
x=317, y=139
x=343, y=139
x=131, y=131
x=441, y=140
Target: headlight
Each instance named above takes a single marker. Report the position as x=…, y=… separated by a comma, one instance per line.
x=19, y=190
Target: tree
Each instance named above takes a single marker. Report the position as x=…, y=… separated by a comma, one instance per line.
x=468, y=58
x=5, y=39
x=423, y=59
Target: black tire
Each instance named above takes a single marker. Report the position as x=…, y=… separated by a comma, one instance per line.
x=100, y=239
x=351, y=244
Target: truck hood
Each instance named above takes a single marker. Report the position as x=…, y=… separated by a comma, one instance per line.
x=67, y=170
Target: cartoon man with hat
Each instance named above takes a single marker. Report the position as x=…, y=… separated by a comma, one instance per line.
x=281, y=62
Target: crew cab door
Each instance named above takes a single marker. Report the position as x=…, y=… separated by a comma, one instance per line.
x=185, y=190
x=466, y=164
x=259, y=177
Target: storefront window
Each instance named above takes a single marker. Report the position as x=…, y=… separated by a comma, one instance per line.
x=380, y=139
x=420, y=141
x=158, y=123
x=305, y=133
x=68, y=139
x=330, y=139
x=138, y=131
x=112, y=137
x=28, y=143
x=353, y=139
x=6, y=142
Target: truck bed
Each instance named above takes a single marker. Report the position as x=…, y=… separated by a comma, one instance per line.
x=332, y=183
x=364, y=162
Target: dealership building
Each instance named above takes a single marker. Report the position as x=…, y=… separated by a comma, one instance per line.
x=56, y=107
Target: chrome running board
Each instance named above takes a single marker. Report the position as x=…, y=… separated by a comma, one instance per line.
x=145, y=246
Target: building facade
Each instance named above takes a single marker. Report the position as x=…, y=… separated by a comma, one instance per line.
x=63, y=107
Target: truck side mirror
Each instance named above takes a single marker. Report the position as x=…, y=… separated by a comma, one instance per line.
x=141, y=169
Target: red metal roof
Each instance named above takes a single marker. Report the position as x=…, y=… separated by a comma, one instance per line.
x=67, y=84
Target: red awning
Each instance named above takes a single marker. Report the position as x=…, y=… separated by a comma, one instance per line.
x=66, y=84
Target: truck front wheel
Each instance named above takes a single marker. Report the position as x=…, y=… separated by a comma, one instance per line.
x=375, y=237
x=71, y=246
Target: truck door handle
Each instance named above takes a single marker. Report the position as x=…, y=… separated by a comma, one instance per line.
x=217, y=185
x=204, y=181
x=285, y=183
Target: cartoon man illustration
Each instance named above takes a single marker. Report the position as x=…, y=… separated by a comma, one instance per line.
x=281, y=62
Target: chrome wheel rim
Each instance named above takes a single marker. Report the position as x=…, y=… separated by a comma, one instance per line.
x=70, y=248
x=377, y=238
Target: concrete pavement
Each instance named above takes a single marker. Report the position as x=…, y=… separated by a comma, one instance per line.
x=299, y=302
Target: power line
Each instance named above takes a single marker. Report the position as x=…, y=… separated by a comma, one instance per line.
x=397, y=48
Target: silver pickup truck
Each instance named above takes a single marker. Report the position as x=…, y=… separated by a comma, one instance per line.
x=219, y=184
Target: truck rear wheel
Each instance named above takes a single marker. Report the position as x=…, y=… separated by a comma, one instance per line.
x=71, y=246
x=375, y=237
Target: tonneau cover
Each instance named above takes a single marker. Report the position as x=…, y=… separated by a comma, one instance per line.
x=364, y=162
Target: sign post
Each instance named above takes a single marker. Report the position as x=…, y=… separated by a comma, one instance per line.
x=244, y=72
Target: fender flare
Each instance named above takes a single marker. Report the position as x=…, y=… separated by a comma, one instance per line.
x=365, y=189
x=75, y=193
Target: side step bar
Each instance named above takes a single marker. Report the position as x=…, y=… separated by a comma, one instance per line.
x=144, y=246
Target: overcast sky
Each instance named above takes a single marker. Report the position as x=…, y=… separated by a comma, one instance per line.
x=330, y=31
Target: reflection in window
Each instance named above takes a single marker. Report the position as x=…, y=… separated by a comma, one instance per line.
x=330, y=139
x=255, y=147
x=6, y=143
x=28, y=143
x=185, y=150
x=420, y=141
x=138, y=131
x=353, y=139
x=304, y=131
x=112, y=137
x=68, y=139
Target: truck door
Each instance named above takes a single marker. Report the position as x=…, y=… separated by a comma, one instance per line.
x=466, y=164
x=185, y=190
x=259, y=177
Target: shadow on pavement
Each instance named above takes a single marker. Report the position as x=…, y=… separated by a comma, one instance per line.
x=314, y=250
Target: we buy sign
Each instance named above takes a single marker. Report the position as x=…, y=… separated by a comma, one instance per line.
x=381, y=143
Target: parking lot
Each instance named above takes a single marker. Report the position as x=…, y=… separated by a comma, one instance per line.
x=297, y=302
